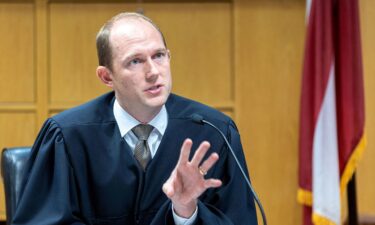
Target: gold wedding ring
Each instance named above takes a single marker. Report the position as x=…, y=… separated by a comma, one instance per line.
x=202, y=171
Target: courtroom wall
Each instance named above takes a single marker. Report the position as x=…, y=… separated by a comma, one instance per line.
x=243, y=57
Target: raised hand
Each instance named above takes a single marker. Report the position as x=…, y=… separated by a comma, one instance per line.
x=187, y=181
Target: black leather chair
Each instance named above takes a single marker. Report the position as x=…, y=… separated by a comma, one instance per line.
x=12, y=163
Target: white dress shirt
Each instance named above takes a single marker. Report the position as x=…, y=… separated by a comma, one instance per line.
x=126, y=123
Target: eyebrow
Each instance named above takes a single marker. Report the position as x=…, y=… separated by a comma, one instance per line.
x=132, y=56
x=135, y=55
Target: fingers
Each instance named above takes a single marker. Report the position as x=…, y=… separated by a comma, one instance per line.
x=185, y=152
x=200, y=153
x=169, y=186
x=168, y=190
x=198, y=156
x=207, y=164
x=212, y=183
x=187, y=181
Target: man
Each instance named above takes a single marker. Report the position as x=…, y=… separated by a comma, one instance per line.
x=117, y=159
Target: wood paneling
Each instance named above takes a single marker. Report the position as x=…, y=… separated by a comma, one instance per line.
x=199, y=38
x=73, y=60
x=269, y=49
x=17, y=75
x=242, y=57
x=201, y=52
x=16, y=48
x=16, y=129
x=366, y=174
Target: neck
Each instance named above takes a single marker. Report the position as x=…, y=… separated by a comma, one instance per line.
x=144, y=115
x=144, y=118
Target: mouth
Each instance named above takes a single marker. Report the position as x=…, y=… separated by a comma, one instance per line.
x=154, y=89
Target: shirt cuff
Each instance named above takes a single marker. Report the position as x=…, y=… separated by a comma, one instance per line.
x=178, y=220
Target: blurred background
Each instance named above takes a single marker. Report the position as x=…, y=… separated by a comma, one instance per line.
x=243, y=57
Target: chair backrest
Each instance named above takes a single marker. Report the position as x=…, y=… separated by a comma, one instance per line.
x=12, y=163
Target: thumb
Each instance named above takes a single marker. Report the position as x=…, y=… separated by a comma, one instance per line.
x=168, y=189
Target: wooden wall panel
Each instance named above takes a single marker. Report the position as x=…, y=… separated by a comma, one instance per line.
x=17, y=75
x=73, y=56
x=242, y=57
x=200, y=39
x=17, y=61
x=16, y=129
x=73, y=60
x=269, y=48
x=366, y=169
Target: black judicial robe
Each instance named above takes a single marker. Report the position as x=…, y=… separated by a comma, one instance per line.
x=81, y=171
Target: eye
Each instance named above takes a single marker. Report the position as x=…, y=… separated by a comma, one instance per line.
x=159, y=55
x=134, y=61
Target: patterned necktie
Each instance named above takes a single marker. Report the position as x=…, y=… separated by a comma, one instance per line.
x=142, y=151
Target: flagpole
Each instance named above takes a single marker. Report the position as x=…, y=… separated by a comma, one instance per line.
x=352, y=202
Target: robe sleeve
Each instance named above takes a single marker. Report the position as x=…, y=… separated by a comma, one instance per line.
x=230, y=204
x=48, y=192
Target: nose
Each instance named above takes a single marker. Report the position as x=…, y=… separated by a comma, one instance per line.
x=152, y=71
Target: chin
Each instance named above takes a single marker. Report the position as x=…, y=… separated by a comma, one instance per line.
x=157, y=102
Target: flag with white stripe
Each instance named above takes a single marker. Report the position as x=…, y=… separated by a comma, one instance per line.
x=332, y=108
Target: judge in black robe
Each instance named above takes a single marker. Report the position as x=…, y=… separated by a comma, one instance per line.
x=81, y=171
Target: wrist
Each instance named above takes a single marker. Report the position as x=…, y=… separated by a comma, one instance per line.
x=185, y=210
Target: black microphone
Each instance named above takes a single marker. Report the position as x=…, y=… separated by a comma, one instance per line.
x=200, y=120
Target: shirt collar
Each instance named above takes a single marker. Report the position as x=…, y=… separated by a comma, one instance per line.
x=126, y=122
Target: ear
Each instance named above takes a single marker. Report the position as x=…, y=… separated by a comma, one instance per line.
x=169, y=54
x=105, y=75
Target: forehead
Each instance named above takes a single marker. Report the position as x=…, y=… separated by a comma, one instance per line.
x=128, y=33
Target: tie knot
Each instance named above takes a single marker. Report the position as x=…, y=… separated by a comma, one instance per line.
x=142, y=131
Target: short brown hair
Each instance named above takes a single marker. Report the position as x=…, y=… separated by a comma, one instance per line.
x=102, y=38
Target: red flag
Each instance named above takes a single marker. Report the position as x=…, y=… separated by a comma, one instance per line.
x=332, y=108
